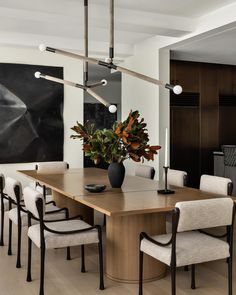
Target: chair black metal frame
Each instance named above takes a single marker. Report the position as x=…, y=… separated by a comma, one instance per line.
x=230, y=188
x=153, y=172
x=175, y=219
x=20, y=208
x=2, y=196
x=185, y=180
x=43, y=227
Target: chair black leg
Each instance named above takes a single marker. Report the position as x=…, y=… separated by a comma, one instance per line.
x=82, y=259
x=42, y=269
x=104, y=220
x=100, y=250
x=10, y=238
x=29, y=278
x=230, y=276
x=173, y=280
x=2, y=227
x=18, y=260
x=228, y=241
x=68, y=256
x=193, y=285
x=140, y=272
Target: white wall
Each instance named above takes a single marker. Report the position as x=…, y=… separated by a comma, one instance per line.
x=73, y=102
x=142, y=96
x=151, y=100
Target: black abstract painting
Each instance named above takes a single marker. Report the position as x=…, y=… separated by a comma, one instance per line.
x=31, y=114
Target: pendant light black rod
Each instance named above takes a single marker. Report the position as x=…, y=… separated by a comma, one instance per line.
x=85, y=41
x=100, y=83
x=111, y=48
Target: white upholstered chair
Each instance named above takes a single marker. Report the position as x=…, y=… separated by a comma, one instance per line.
x=58, y=234
x=51, y=167
x=145, y=171
x=189, y=244
x=216, y=184
x=3, y=207
x=210, y=184
x=177, y=177
x=48, y=168
x=18, y=215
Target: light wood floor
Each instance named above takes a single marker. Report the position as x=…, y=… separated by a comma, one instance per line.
x=64, y=277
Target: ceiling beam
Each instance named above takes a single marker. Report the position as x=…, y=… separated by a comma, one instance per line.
x=125, y=20
x=97, y=49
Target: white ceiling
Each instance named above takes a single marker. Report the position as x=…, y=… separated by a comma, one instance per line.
x=188, y=8
x=219, y=47
x=59, y=23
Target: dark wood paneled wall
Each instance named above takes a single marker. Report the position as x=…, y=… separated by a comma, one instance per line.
x=197, y=131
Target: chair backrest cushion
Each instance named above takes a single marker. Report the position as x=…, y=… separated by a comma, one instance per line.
x=214, y=184
x=207, y=213
x=51, y=167
x=176, y=177
x=145, y=171
x=2, y=180
x=30, y=197
x=10, y=185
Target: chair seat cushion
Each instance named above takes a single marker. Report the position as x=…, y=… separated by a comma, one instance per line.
x=191, y=248
x=24, y=218
x=63, y=240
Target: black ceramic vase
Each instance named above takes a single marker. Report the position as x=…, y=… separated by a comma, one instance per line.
x=116, y=174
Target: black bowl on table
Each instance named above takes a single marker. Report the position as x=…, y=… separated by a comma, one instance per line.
x=95, y=188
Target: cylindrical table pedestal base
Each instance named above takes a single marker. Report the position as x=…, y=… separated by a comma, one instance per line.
x=122, y=247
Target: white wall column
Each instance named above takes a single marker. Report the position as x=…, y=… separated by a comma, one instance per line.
x=142, y=96
x=164, y=105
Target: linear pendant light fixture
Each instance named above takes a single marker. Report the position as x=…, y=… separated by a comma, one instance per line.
x=108, y=63
x=86, y=87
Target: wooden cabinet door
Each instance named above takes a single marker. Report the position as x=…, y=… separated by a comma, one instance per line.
x=185, y=151
x=185, y=74
x=226, y=79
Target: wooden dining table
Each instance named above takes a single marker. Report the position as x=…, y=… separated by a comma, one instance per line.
x=129, y=210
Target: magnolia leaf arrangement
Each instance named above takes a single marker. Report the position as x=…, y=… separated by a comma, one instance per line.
x=127, y=139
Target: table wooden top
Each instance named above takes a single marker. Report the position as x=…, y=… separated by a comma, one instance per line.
x=72, y=182
x=142, y=202
x=137, y=195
